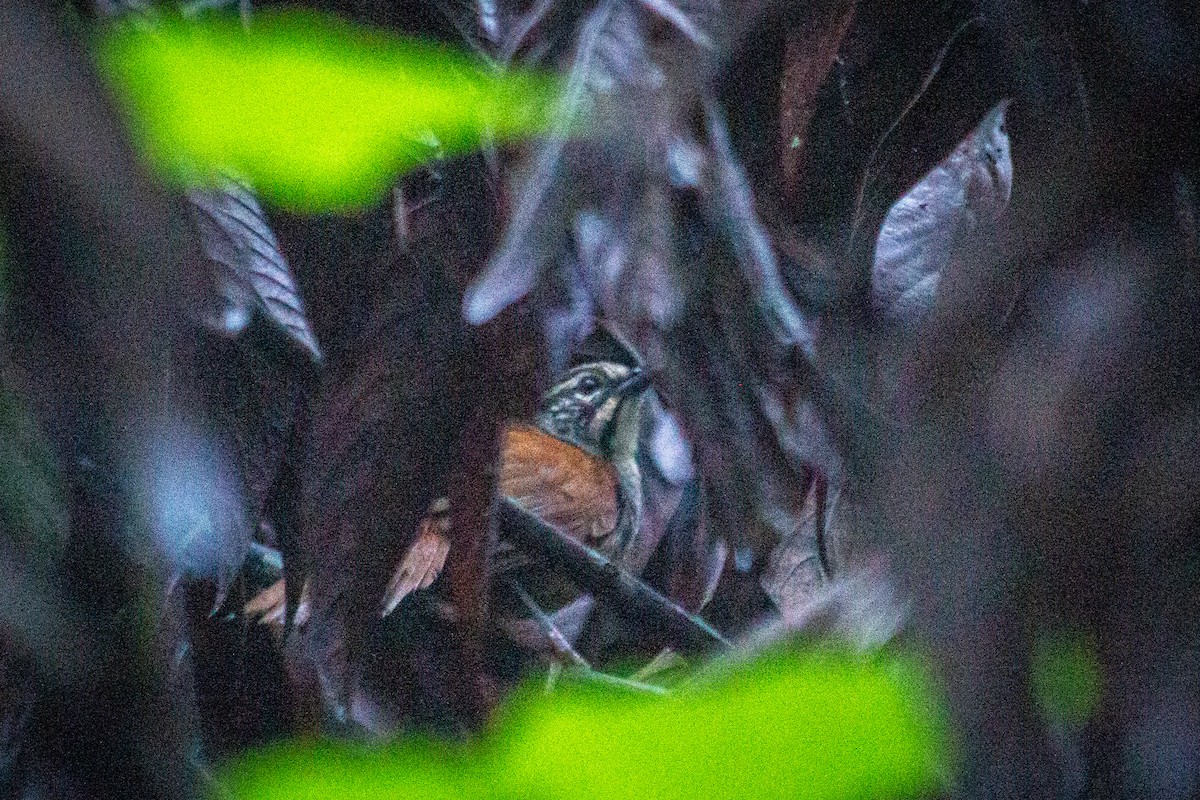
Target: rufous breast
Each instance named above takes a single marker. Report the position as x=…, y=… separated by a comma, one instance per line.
x=570, y=489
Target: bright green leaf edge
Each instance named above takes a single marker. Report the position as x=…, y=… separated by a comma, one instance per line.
x=319, y=114
x=819, y=726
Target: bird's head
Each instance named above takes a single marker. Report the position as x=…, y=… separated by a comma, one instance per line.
x=596, y=407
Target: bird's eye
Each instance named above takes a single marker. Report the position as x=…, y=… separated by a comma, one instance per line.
x=588, y=384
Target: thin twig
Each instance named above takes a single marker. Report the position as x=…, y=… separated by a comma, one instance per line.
x=630, y=597
x=558, y=641
x=465, y=33
x=564, y=648
x=552, y=676
x=681, y=21
x=860, y=200
x=525, y=24
x=820, y=508
x=621, y=683
x=665, y=660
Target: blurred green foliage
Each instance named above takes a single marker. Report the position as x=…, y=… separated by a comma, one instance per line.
x=817, y=725
x=1067, y=678
x=318, y=114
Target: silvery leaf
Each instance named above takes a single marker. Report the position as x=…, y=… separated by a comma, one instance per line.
x=969, y=188
x=236, y=235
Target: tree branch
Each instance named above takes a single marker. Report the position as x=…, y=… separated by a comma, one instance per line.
x=632, y=598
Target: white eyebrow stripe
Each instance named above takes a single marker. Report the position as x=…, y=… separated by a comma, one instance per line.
x=603, y=416
x=605, y=371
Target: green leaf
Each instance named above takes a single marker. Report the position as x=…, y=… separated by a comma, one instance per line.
x=798, y=726
x=347, y=771
x=1066, y=677
x=316, y=113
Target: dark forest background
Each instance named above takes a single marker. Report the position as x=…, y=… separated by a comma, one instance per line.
x=918, y=285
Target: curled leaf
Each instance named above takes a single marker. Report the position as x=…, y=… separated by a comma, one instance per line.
x=920, y=233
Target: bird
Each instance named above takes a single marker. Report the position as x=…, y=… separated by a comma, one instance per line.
x=574, y=467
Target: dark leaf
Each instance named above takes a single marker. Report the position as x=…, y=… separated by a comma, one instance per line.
x=33, y=533
x=795, y=574
x=610, y=57
x=128, y=272
x=33, y=513
x=383, y=420
x=236, y=235
x=810, y=51
x=753, y=251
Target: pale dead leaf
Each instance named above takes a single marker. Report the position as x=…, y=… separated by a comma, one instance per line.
x=424, y=560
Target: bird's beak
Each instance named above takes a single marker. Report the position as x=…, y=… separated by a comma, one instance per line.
x=635, y=384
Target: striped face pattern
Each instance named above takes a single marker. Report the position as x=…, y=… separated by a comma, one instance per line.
x=581, y=408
